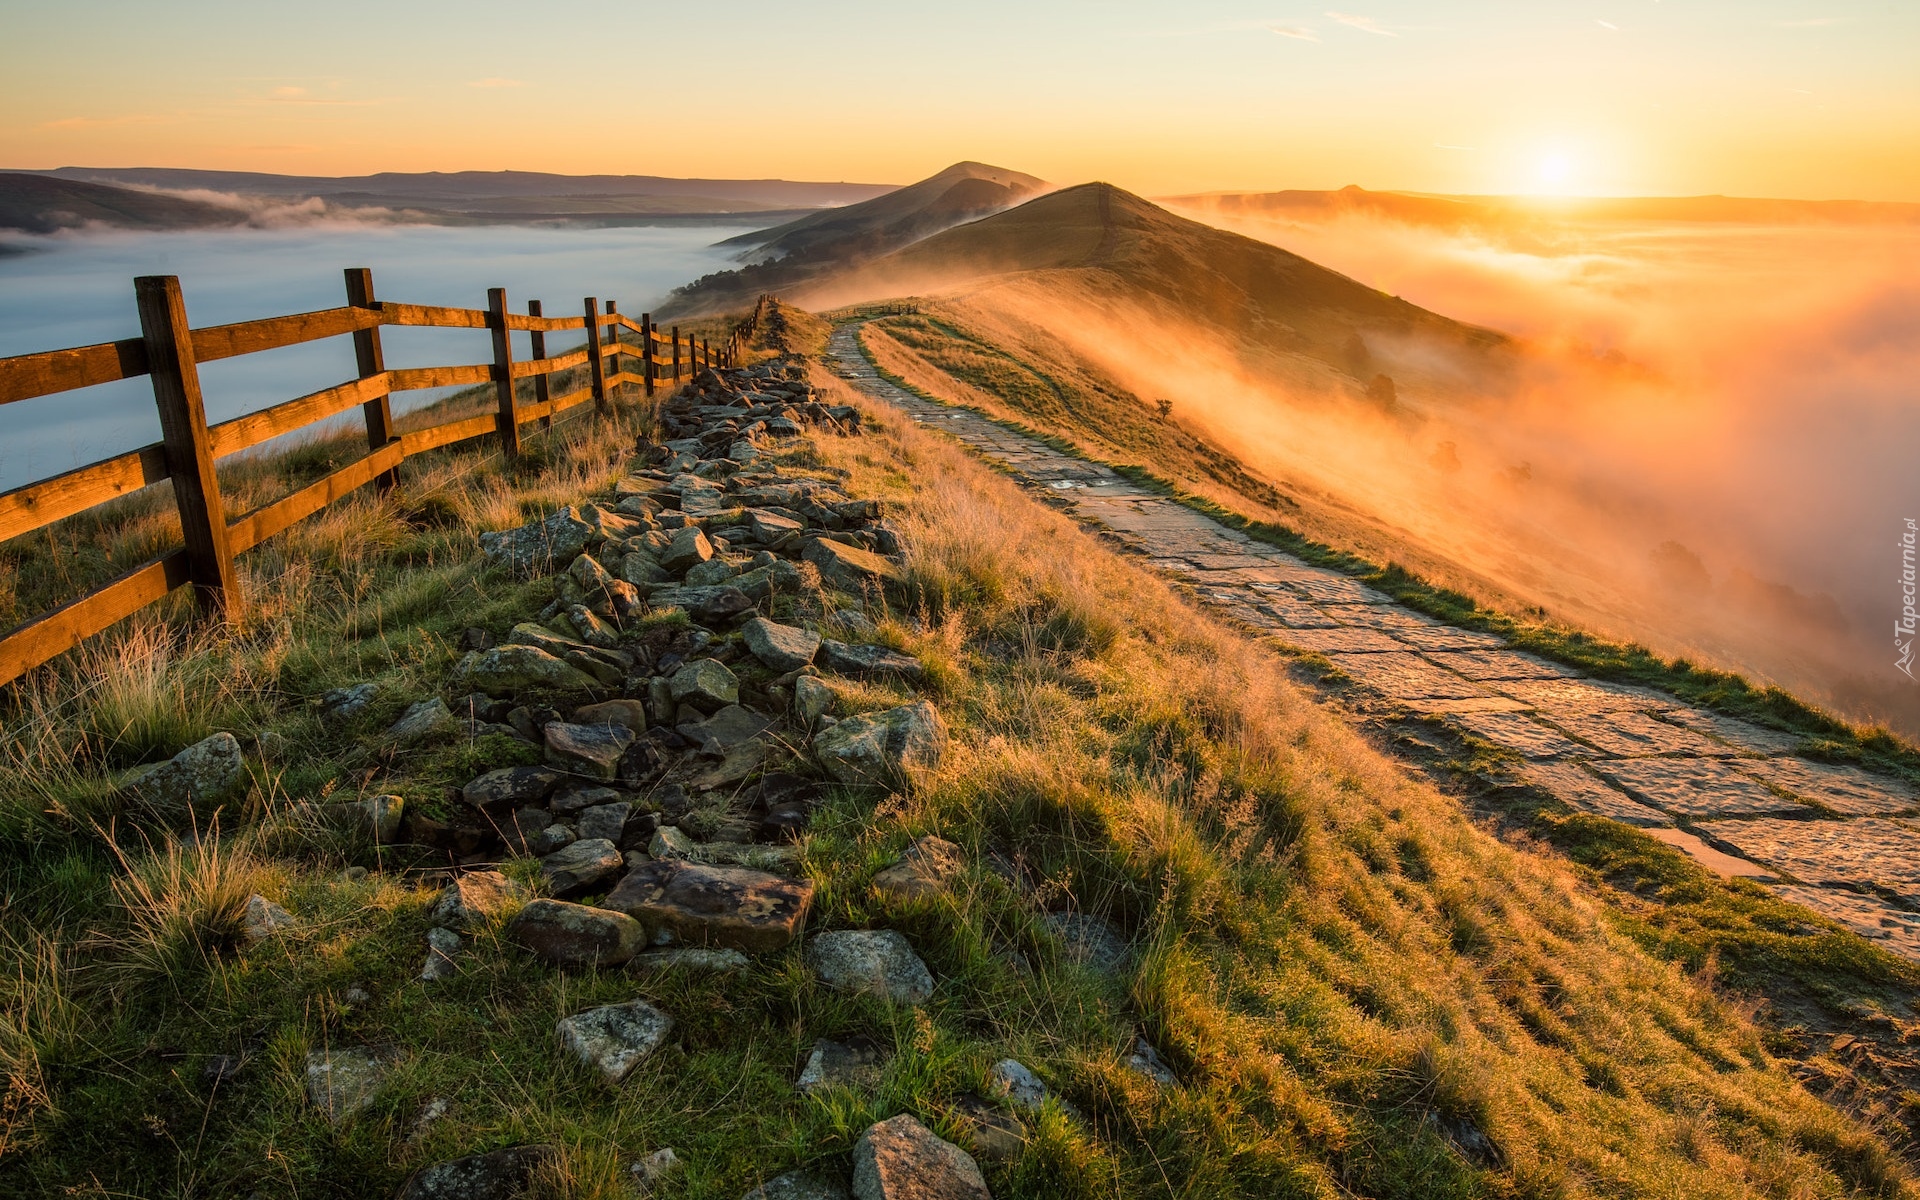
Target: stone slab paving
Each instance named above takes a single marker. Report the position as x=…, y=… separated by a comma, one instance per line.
x=1870, y=852
x=1696, y=787
x=1627, y=753
x=1520, y=732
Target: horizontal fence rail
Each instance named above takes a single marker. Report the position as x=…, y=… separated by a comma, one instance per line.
x=169, y=353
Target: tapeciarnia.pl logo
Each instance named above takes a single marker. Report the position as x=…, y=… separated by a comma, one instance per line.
x=1903, y=629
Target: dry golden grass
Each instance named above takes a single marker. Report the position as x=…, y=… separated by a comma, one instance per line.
x=1329, y=934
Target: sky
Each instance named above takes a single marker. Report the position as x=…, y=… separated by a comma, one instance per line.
x=1816, y=99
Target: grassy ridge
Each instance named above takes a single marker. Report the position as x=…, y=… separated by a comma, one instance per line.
x=1361, y=992
x=1808, y=975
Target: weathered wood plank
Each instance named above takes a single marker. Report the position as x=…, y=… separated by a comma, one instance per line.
x=547, y=366
x=628, y=322
x=431, y=317
x=419, y=441
x=183, y=428
x=408, y=379
x=625, y=377
x=54, y=633
x=270, y=333
x=229, y=437
x=263, y=522
x=25, y=509
x=25, y=376
x=537, y=323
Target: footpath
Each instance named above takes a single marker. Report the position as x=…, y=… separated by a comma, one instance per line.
x=1736, y=797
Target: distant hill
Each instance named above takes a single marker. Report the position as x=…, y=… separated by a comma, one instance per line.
x=1098, y=246
x=39, y=204
x=788, y=256
x=470, y=190
x=1458, y=212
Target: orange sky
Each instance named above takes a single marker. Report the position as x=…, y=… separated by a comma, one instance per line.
x=1762, y=97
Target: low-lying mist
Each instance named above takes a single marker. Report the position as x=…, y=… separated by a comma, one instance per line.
x=1709, y=447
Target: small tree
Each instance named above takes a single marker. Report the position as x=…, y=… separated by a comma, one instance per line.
x=1164, y=408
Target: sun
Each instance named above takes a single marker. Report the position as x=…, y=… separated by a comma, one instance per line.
x=1554, y=173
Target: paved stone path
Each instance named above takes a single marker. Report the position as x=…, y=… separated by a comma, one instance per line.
x=1732, y=794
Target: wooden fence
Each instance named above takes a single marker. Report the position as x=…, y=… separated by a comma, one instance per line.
x=169, y=353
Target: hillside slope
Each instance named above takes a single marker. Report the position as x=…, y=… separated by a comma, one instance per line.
x=1239, y=952
x=787, y=257
x=37, y=204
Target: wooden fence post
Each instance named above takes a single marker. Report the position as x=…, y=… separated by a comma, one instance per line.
x=509, y=421
x=183, y=427
x=646, y=351
x=372, y=361
x=676, y=354
x=613, y=352
x=596, y=368
x=542, y=393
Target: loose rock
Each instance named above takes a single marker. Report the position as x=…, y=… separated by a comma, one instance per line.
x=688, y=548
x=200, y=779
x=263, y=919
x=780, y=647
x=705, y=684
x=476, y=899
x=733, y=907
x=840, y=1064
x=878, y=748
x=850, y=568
x=505, y=670
x=811, y=699
x=538, y=548
x=512, y=785
x=1146, y=1060
x=805, y=1184
x=590, y=750
x=574, y=935
x=498, y=1175
x=442, y=945
x=875, y=961
x=615, y=1039
x=421, y=721
x=1019, y=1085
x=901, y=1159
x=926, y=868
x=342, y=1082
x=868, y=661
x=578, y=867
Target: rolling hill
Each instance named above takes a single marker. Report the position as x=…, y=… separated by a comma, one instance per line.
x=1109, y=249
x=38, y=204
x=788, y=256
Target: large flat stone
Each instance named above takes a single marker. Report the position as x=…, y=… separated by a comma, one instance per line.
x=1865, y=852
x=1845, y=790
x=1344, y=640
x=734, y=907
x=706, y=684
x=1694, y=787
x=1872, y=918
x=515, y=786
x=1405, y=676
x=1578, y=790
x=505, y=670
x=540, y=547
x=1629, y=733
x=200, y=779
x=866, y=660
x=1521, y=734
x=1486, y=665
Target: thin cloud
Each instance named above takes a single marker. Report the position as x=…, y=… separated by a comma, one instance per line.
x=1363, y=24
x=102, y=122
x=1808, y=23
x=1606, y=25
x=1445, y=146
x=1295, y=32
x=289, y=93
x=494, y=83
